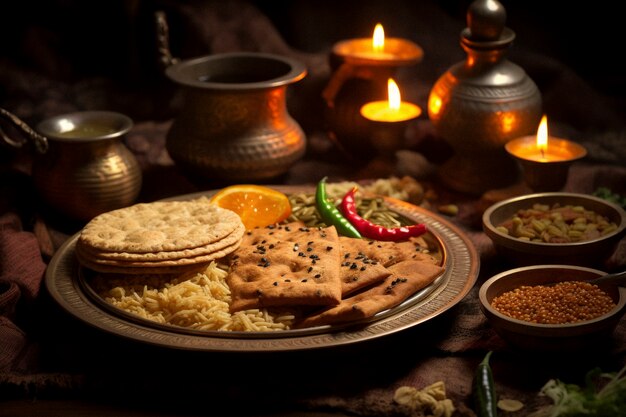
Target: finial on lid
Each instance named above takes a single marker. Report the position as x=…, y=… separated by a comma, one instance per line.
x=485, y=20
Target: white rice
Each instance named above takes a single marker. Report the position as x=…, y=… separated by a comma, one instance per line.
x=198, y=301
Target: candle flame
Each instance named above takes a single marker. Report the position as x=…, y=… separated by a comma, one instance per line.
x=378, y=39
x=542, y=135
x=393, y=94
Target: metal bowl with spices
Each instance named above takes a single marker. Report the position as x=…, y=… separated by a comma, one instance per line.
x=552, y=334
x=531, y=247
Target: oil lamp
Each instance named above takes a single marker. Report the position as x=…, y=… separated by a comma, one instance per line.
x=388, y=119
x=481, y=103
x=544, y=159
x=361, y=68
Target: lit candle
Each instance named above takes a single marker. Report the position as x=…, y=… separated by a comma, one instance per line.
x=379, y=49
x=544, y=159
x=378, y=39
x=391, y=110
x=545, y=148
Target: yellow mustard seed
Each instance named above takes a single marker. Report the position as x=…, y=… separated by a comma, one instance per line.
x=564, y=302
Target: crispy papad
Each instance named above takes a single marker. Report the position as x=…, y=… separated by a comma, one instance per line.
x=405, y=279
x=286, y=265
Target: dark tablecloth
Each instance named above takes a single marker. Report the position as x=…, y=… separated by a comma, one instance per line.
x=45, y=353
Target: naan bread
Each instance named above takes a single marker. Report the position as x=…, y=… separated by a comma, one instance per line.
x=159, y=226
x=160, y=237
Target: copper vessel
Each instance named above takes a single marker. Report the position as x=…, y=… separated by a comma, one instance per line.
x=480, y=104
x=233, y=124
x=82, y=167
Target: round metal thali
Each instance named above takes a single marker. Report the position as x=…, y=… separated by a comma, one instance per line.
x=67, y=283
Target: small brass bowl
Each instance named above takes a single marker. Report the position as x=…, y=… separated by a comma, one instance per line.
x=591, y=253
x=590, y=334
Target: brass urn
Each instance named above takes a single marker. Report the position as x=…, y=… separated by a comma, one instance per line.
x=481, y=103
x=234, y=124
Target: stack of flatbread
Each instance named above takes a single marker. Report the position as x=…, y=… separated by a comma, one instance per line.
x=159, y=237
x=337, y=279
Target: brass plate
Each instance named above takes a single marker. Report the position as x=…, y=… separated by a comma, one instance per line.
x=65, y=280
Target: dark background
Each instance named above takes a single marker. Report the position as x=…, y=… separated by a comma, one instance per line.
x=69, y=41
x=60, y=56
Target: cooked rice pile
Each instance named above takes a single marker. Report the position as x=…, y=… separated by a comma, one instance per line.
x=197, y=302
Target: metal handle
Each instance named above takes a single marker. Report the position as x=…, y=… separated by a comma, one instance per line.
x=41, y=142
x=163, y=40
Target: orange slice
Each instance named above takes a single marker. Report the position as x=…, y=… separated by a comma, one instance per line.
x=258, y=206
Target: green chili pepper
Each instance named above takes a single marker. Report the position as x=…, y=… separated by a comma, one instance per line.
x=484, y=391
x=331, y=214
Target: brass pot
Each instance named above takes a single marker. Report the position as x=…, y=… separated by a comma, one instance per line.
x=234, y=124
x=82, y=167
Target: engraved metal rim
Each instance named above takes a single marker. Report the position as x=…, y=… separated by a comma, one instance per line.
x=296, y=71
x=462, y=265
x=83, y=278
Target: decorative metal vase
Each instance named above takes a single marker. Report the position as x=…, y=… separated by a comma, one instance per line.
x=82, y=167
x=483, y=102
x=233, y=124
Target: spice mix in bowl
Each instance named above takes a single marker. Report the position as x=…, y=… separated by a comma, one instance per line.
x=552, y=307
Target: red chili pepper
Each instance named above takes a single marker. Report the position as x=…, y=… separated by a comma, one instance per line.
x=376, y=231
